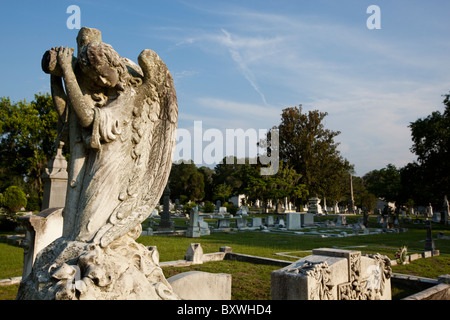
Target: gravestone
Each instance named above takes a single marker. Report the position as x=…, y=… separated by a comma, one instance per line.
x=243, y=211
x=314, y=206
x=194, y=253
x=193, y=230
x=429, y=211
x=55, y=181
x=307, y=219
x=429, y=242
x=222, y=210
x=279, y=208
x=218, y=205
x=241, y=223
x=256, y=222
x=270, y=221
x=334, y=274
x=41, y=230
x=223, y=223
x=341, y=221
x=204, y=227
x=293, y=221
x=165, y=224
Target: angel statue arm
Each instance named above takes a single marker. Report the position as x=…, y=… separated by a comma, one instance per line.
x=82, y=107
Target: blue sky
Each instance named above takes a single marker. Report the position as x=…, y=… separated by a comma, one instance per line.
x=237, y=64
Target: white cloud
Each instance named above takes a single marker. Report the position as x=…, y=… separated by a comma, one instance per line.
x=371, y=84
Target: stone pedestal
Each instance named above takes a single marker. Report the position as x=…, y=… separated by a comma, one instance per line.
x=41, y=230
x=334, y=274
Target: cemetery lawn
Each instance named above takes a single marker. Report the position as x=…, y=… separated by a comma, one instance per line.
x=251, y=281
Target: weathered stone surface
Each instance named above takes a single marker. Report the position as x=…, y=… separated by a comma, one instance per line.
x=197, y=285
x=334, y=274
x=119, y=120
x=73, y=270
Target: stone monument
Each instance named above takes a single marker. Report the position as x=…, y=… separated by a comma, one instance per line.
x=55, y=181
x=351, y=201
x=314, y=206
x=334, y=274
x=165, y=224
x=119, y=120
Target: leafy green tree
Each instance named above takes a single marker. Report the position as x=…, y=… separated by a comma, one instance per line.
x=185, y=179
x=384, y=183
x=28, y=133
x=222, y=192
x=13, y=198
x=208, y=174
x=431, y=145
x=310, y=148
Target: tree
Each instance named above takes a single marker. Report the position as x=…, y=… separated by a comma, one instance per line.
x=311, y=150
x=384, y=183
x=285, y=184
x=28, y=133
x=222, y=192
x=186, y=180
x=431, y=144
x=14, y=199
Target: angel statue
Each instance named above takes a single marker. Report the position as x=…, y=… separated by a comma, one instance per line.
x=119, y=121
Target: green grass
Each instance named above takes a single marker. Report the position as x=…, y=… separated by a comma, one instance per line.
x=11, y=261
x=253, y=281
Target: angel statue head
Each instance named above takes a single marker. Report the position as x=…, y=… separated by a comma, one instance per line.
x=105, y=67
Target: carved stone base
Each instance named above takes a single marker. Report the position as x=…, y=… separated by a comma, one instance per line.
x=71, y=270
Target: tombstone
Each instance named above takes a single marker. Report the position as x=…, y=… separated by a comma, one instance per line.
x=241, y=223
x=429, y=211
x=336, y=208
x=193, y=230
x=256, y=222
x=280, y=223
x=223, y=223
x=293, y=221
x=341, y=221
x=218, y=205
x=445, y=211
x=279, y=208
x=307, y=219
x=314, y=206
x=222, y=210
x=194, y=253
x=334, y=274
x=55, y=181
x=165, y=224
x=41, y=230
x=243, y=211
x=429, y=242
x=270, y=221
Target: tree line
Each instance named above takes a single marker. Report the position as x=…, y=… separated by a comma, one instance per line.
x=310, y=163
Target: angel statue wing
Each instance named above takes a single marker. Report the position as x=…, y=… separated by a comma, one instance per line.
x=154, y=125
